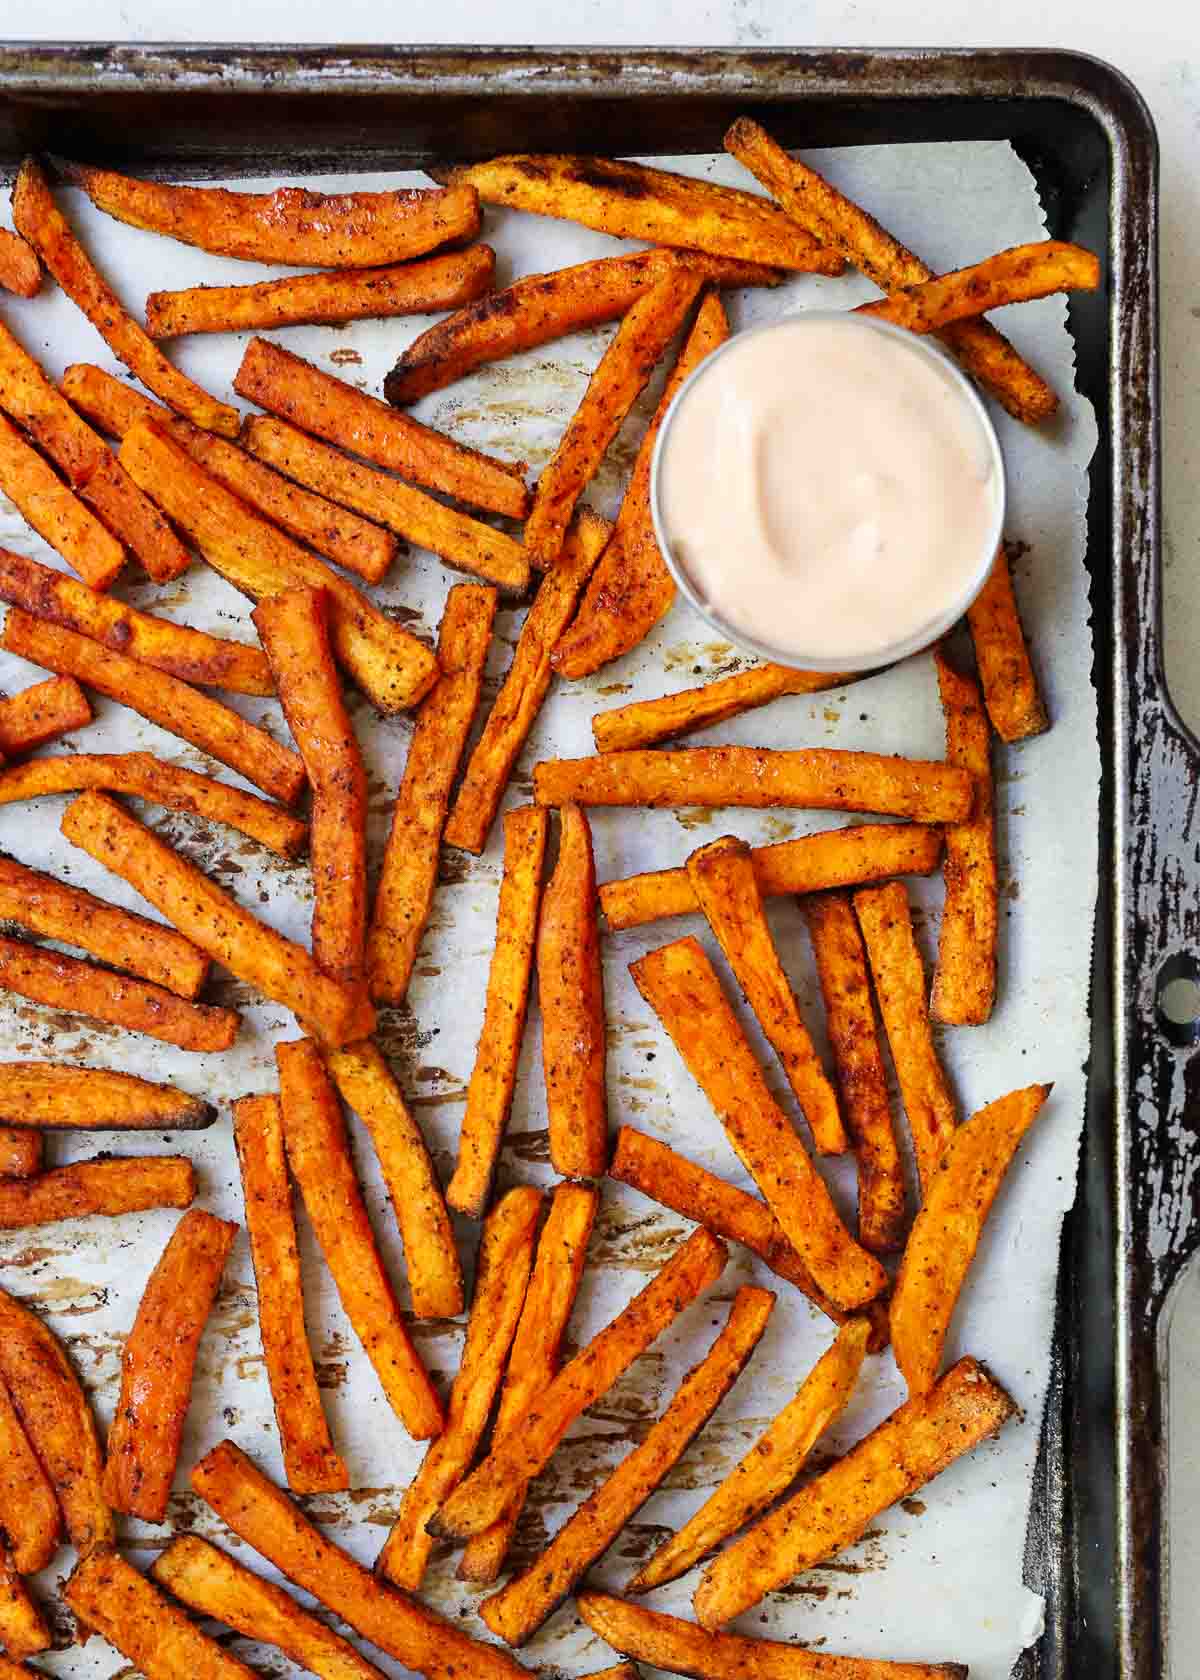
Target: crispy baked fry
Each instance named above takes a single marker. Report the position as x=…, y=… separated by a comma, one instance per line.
x=110, y=1595
x=41, y=713
x=494, y=1075
x=631, y=588
x=365, y=294
x=404, y=896
x=810, y=778
x=521, y=1607
x=118, y=937
x=836, y=857
x=722, y=876
x=850, y=1026
x=292, y=224
x=191, y=655
x=964, y=980
x=392, y=667
x=505, y=1256
x=533, y=1361
x=266, y=1519
x=158, y=1362
x=525, y=687
x=81, y=988
x=366, y=1085
x=314, y=1135
x=20, y=1154
x=1013, y=276
x=293, y=629
x=29, y=1513
x=20, y=271
x=907, y=1450
x=1010, y=686
x=315, y=401
x=38, y=217
x=771, y=1465
x=646, y=722
x=23, y=1631
x=571, y=993
x=333, y=531
x=683, y=1648
x=205, y=914
x=886, y=922
x=499, y=1482
x=212, y=1583
x=946, y=1231
x=679, y=984
x=59, y=1097
x=58, y=1421
x=111, y=1187
x=613, y=388
x=174, y=705
x=54, y=510
x=845, y=227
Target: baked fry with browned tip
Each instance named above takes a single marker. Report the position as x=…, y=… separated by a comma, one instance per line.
x=55, y=512
x=40, y=713
x=61, y=1096
x=29, y=1513
x=964, y=980
x=1010, y=686
x=103, y=1186
x=1014, y=276
x=111, y=1597
x=644, y=723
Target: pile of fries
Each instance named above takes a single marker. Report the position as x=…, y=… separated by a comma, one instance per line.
x=303, y=507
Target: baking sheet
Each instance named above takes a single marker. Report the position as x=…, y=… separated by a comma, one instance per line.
x=937, y=1578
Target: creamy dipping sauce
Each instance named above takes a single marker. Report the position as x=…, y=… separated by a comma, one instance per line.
x=829, y=490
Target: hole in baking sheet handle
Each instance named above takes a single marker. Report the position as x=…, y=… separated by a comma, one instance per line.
x=1177, y=999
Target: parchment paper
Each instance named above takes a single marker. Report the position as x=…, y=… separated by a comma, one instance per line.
x=939, y=1578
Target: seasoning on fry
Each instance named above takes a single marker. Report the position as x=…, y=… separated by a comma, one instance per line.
x=1010, y=686
x=20, y=271
x=110, y=1596
x=61, y=1096
x=1013, y=276
x=29, y=1513
x=23, y=1630
x=644, y=723
x=55, y=512
x=40, y=713
x=108, y=1187
x=964, y=980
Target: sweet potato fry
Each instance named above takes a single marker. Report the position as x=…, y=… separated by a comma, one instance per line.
x=23, y=1631
x=850, y=1025
x=404, y=896
x=110, y=1187
x=964, y=980
x=464, y=543
x=899, y=975
x=825, y=212
x=20, y=1155
x=683, y=1648
x=525, y=687
x=722, y=876
x=907, y=1450
x=533, y=1361
x=315, y=401
x=314, y=1135
x=634, y=202
x=646, y=722
x=205, y=914
x=771, y=1465
x=158, y=1362
x=29, y=1513
x=836, y=857
x=505, y=1257
x=499, y=1483
x=946, y=1231
x=58, y=1098
x=267, y=1520
x=191, y=655
x=392, y=667
x=809, y=778
x=110, y=1596
x=174, y=705
x=310, y=1463
x=616, y=1671
x=212, y=1583
x=54, y=510
x=1010, y=686
x=679, y=984
x=41, y=713
x=366, y=1085
x=494, y=1075
x=520, y=1608
x=58, y=1421
x=81, y=988
x=293, y=629
x=614, y=387
x=334, y=532
x=1013, y=276
x=20, y=271
x=118, y=937
x=291, y=225
x=158, y=783
x=38, y=217
x=631, y=588
x=571, y=992
x=365, y=294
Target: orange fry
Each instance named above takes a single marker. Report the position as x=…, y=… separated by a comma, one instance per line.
x=29, y=1513
x=964, y=981
x=109, y=1187
x=1010, y=685
x=23, y=1630
x=20, y=271
x=645, y=723
x=110, y=1596
x=63, y=1097
x=41, y=713
x=1014, y=276
x=54, y=510
x=21, y=1155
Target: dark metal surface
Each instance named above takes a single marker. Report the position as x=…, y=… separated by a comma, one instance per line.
x=1096, y=1534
